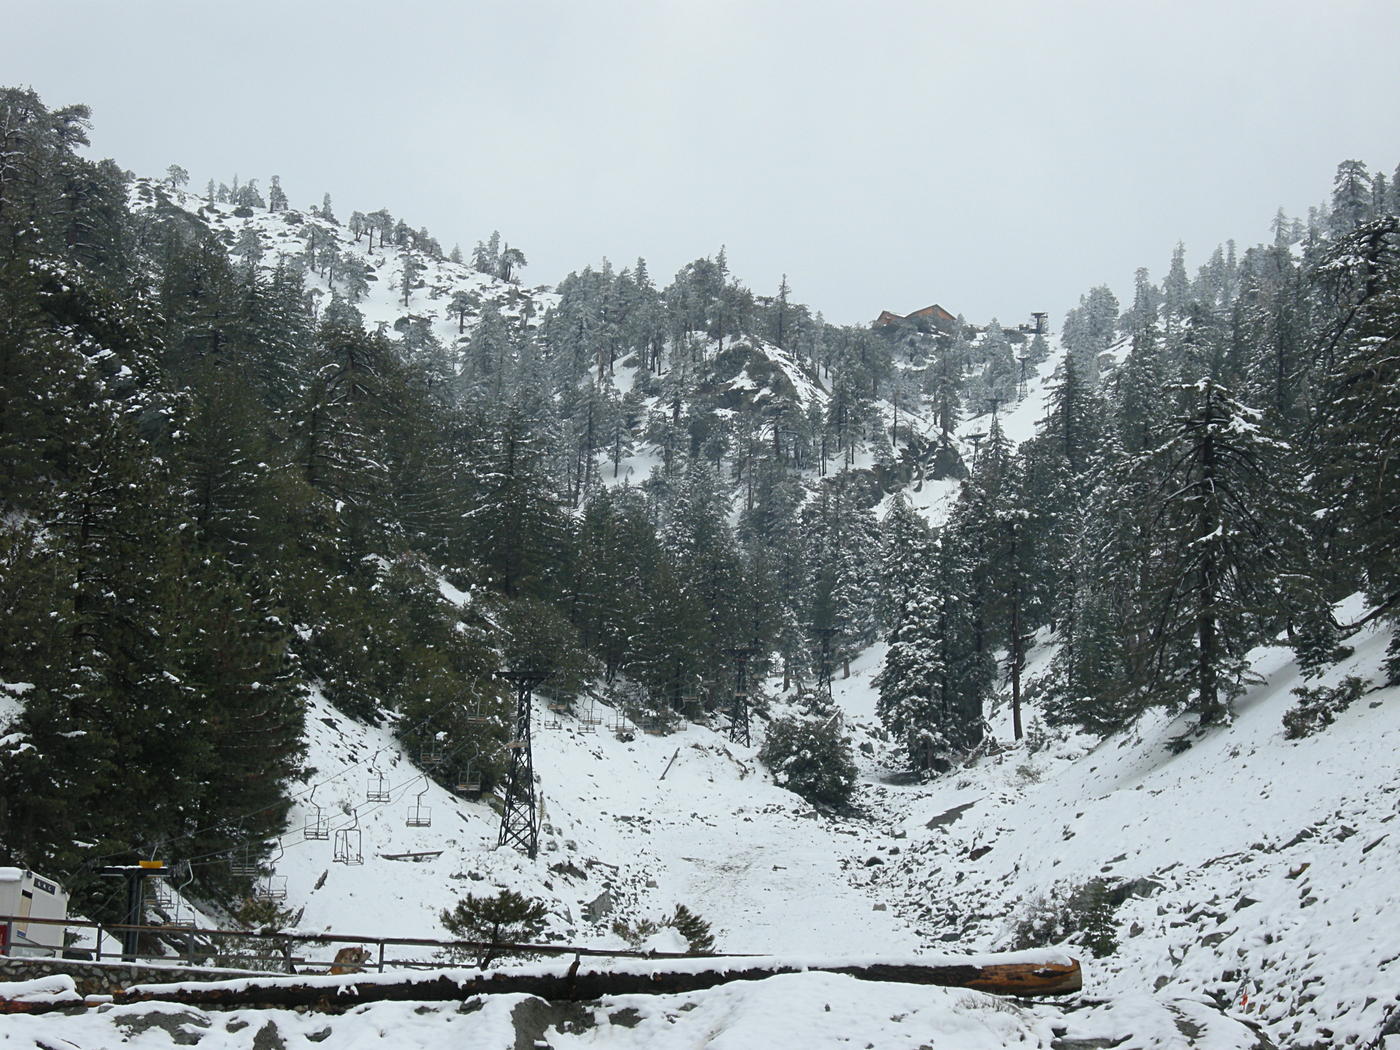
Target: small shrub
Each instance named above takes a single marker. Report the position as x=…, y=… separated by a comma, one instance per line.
x=1318, y=645
x=494, y=922
x=636, y=932
x=1075, y=914
x=811, y=758
x=255, y=953
x=694, y=929
x=1318, y=707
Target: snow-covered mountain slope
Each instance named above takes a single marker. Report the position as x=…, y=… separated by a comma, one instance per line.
x=1245, y=885
x=304, y=236
x=715, y=834
x=1250, y=872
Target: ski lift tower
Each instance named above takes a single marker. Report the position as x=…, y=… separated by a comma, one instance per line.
x=738, y=728
x=135, y=876
x=519, y=820
x=825, y=634
x=976, y=440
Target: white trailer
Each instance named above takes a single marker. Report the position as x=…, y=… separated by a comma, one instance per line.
x=25, y=895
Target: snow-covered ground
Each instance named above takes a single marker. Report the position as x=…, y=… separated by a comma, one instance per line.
x=1259, y=879
x=798, y=1010
x=1258, y=873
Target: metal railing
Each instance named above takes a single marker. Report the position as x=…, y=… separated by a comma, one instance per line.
x=283, y=951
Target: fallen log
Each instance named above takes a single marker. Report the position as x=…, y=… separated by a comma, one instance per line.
x=1026, y=975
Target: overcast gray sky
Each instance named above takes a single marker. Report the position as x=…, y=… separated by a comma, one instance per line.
x=996, y=157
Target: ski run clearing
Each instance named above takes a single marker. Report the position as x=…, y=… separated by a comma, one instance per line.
x=1259, y=893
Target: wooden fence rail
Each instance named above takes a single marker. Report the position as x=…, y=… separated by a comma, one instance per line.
x=199, y=946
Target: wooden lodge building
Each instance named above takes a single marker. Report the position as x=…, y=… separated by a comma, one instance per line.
x=945, y=322
x=935, y=315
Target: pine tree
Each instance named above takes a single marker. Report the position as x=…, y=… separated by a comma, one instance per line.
x=1216, y=544
x=904, y=548
x=935, y=681
x=411, y=271
x=1351, y=197
x=1176, y=290
x=1355, y=485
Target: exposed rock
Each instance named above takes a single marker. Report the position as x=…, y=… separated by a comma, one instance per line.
x=534, y=1016
x=269, y=1038
x=184, y=1027
x=599, y=908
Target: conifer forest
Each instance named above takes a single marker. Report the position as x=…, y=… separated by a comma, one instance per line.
x=271, y=464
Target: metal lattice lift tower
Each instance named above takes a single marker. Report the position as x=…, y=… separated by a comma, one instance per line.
x=825, y=634
x=738, y=714
x=519, y=820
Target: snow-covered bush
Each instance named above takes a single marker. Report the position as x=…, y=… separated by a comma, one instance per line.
x=1318, y=707
x=691, y=928
x=1069, y=914
x=810, y=757
x=694, y=929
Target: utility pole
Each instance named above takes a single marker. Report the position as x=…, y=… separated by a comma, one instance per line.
x=738, y=728
x=135, y=876
x=519, y=819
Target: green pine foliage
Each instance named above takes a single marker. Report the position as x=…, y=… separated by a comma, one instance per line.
x=811, y=757
x=1318, y=707
x=936, y=677
x=694, y=929
x=508, y=918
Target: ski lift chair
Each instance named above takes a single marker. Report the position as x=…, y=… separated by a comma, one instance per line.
x=419, y=815
x=478, y=715
x=179, y=905
x=377, y=787
x=244, y=861
x=347, y=848
x=317, y=827
x=271, y=888
x=469, y=786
